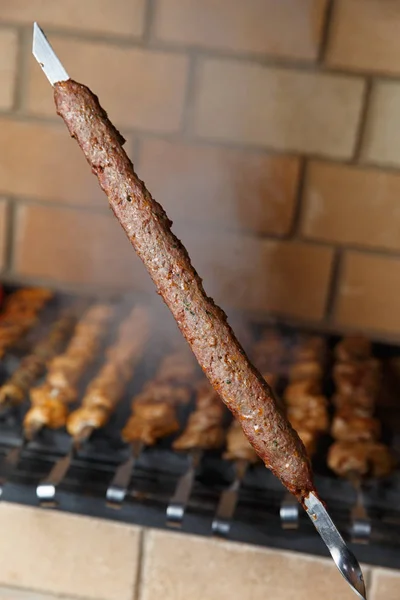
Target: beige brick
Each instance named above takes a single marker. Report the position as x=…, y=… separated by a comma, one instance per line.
x=368, y=292
x=76, y=247
x=280, y=108
x=3, y=232
x=60, y=553
x=138, y=88
x=43, y=162
x=365, y=35
x=349, y=205
x=289, y=28
x=263, y=275
x=9, y=593
x=381, y=140
x=178, y=567
x=116, y=17
x=220, y=187
x=385, y=584
x=8, y=66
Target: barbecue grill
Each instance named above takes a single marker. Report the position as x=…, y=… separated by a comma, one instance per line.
x=263, y=515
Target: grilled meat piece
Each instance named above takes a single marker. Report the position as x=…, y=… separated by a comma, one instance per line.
x=311, y=349
x=358, y=403
x=150, y=422
x=82, y=418
x=348, y=426
x=348, y=459
x=51, y=412
x=20, y=314
x=306, y=371
x=297, y=391
x=312, y=416
x=353, y=348
x=351, y=377
x=202, y=323
x=307, y=436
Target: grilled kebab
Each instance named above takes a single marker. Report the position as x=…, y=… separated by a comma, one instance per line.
x=51, y=399
x=203, y=324
x=357, y=375
x=107, y=388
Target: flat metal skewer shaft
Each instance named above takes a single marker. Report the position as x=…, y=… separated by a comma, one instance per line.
x=221, y=524
x=118, y=488
x=47, y=488
x=178, y=503
x=343, y=557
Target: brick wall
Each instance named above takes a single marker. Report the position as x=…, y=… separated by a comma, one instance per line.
x=270, y=131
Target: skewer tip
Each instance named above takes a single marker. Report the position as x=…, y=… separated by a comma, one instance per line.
x=46, y=57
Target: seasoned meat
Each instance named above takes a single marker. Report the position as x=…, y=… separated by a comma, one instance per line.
x=360, y=459
x=360, y=404
x=163, y=392
x=312, y=416
x=65, y=370
x=52, y=412
x=311, y=349
x=363, y=376
x=297, y=391
x=307, y=436
x=306, y=371
x=82, y=418
x=20, y=314
x=238, y=446
x=107, y=388
x=202, y=323
x=150, y=422
x=205, y=427
x=348, y=426
x=353, y=348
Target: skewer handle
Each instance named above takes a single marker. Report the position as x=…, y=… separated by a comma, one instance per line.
x=178, y=503
x=289, y=512
x=118, y=488
x=221, y=524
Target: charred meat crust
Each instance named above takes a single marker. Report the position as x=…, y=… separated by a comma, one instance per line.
x=203, y=324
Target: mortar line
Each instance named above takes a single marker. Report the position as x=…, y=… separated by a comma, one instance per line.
x=335, y=277
x=326, y=31
x=363, y=121
x=137, y=594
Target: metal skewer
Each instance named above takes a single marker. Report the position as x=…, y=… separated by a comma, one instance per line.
x=118, y=488
x=178, y=503
x=10, y=462
x=343, y=557
x=221, y=524
x=47, y=488
x=360, y=526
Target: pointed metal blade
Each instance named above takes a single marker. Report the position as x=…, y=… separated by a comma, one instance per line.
x=344, y=559
x=46, y=57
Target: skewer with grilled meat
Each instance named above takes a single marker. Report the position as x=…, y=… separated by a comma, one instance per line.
x=153, y=413
x=20, y=314
x=50, y=401
x=357, y=453
x=107, y=388
x=370, y=459
x=150, y=422
x=307, y=408
x=16, y=388
x=205, y=427
x=203, y=324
